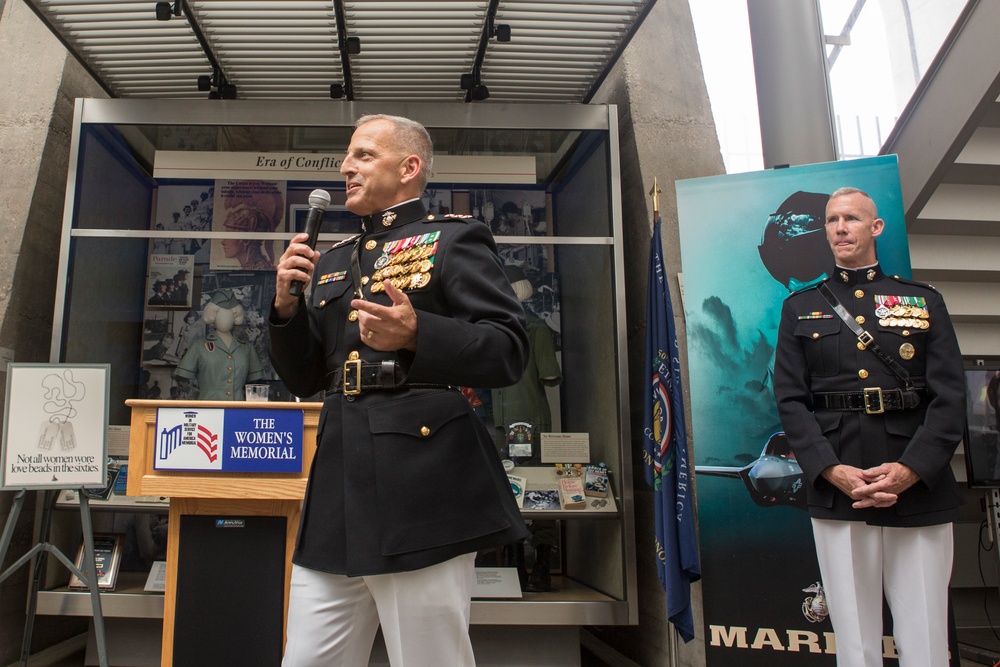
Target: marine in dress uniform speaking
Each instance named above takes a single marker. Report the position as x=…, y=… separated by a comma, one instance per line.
x=406, y=484
x=871, y=393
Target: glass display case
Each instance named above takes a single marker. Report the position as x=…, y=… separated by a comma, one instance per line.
x=172, y=206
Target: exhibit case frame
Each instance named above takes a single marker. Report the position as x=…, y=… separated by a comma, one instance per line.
x=545, y=177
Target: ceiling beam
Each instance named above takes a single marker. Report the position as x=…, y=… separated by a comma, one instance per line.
x=345, y=56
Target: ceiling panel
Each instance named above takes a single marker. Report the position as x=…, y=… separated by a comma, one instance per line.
x=411, y=50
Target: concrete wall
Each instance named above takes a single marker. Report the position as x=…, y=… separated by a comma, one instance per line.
x=36, y=117
x=667, y=132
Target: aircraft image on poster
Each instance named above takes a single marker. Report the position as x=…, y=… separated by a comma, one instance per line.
x=775, y=478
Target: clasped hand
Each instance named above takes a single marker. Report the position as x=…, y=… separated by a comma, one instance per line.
x=875, y=487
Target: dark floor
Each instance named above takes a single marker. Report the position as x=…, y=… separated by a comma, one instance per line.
x=977, y=618
x=979, y=638
x=78, y=659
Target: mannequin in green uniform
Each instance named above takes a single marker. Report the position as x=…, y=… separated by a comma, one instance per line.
x=526, y=402
x=221, y=363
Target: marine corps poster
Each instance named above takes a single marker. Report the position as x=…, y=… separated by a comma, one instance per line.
x=747, y=241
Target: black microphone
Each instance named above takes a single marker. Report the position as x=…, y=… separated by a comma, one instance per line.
x=318, y=201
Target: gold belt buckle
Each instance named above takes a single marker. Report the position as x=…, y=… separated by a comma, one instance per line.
x=876, y=391
x=352, y=387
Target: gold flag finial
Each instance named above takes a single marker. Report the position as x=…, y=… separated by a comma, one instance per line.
x=655, y=194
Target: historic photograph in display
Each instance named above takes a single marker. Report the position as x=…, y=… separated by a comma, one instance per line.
x=249, y=208
x=170, y=280
x=183, y=208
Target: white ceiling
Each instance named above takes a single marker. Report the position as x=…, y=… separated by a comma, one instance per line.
x=410, y=50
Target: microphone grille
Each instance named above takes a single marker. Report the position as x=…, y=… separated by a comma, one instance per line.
x=319, y=199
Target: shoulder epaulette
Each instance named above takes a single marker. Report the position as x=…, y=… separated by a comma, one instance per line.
x=344, y=242
x=448, y=217
x=917, y=283
x=802, y=290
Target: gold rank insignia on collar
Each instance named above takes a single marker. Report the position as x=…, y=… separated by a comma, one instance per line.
x=844, y=276
x=388, y=218
x=871, y=275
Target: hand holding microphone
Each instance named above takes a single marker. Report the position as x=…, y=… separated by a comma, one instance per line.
x=318, y=201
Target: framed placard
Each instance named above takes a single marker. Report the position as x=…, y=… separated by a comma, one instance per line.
x=565, y=447
x=55, y=426
x=107, y=560
x=497, y=582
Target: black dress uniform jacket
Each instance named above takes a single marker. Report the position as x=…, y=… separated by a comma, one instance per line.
x=817, y=352
x=405, y=476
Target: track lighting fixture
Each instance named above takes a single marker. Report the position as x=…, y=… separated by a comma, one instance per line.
x=480, y=92
x=500, y=30
x=164, y=10
x=217, y=86
x=476, y=91
x=353, y=46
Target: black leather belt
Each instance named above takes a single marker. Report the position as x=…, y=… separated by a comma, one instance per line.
x=356, y=377
x=871, y=400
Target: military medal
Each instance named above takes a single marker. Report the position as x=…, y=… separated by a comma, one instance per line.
x=902, y=311
x=407, y=263
x=331, y=277
x=906, y=351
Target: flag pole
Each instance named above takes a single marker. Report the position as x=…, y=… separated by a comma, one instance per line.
x=671, y=636
x=655, y=194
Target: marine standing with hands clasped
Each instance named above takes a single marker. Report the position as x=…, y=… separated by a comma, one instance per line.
x=870, y=389
x=406, y=484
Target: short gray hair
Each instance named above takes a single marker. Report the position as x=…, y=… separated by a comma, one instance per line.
x=411, y=137
x=843, y=192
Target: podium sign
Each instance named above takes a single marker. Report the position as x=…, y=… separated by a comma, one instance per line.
x=228, y=439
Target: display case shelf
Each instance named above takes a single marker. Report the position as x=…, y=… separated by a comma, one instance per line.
x=569, y=603
x=128, y=600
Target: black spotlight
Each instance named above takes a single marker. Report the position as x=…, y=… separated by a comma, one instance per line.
x=503, y=32
x=467, y=82
x=204, y=83
x=480, y=93
x=228, y=91
x=336, y=91
x=163, y=11
x=353, y=46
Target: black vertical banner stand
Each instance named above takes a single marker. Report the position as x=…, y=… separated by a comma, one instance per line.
x=43, y=548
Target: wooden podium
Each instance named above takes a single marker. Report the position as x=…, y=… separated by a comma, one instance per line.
x=215, y=493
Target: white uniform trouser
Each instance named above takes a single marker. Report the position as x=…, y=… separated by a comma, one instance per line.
x=332, y=618
x=912, y=565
